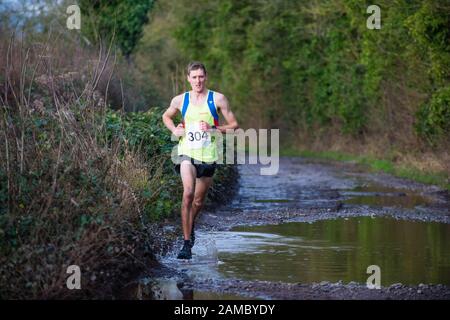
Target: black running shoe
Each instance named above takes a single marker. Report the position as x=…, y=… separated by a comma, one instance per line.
x=185, y=252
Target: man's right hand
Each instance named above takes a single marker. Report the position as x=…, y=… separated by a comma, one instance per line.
x=179, y=130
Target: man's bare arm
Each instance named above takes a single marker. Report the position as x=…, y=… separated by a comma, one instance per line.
x=169, y=114
x=222, y=103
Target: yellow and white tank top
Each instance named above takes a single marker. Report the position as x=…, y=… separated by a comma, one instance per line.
x=197, y=144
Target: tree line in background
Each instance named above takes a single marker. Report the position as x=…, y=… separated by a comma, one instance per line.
x=314, y=69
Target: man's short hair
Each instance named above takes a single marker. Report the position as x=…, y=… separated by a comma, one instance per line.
x=195, y=65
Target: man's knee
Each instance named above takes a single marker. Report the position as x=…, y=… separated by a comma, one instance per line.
x=198, y=202
x=188, y=196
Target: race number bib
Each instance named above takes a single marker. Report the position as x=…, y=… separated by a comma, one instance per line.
x=195, y=138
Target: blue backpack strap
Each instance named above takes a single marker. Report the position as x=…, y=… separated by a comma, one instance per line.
x=212, y=107
x=185, y=104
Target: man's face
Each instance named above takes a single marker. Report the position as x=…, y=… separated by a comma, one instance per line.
x=197, y=79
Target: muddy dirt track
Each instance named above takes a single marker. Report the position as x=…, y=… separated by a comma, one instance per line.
x=308, y=191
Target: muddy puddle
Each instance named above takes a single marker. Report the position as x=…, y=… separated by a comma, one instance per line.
x=381, y=196
x=407, y=252
x=331, y=250
x=372, y=195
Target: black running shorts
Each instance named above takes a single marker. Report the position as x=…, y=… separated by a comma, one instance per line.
x=204, y=169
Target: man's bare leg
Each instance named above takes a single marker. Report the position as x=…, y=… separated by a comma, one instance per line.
x=201, y=190
x=188, y=174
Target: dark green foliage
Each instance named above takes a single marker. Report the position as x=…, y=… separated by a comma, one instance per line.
x=430, y=28
x=143, y=131
x=433, y=118
x=122, y=20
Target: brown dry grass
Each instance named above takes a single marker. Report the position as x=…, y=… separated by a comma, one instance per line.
x=68, y=195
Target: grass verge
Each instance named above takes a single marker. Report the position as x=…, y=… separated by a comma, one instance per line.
x=441, y=179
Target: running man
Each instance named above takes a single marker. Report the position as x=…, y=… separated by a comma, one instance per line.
x=197, y=148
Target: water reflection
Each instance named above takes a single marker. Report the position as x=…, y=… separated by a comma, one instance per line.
x=382, y=196
x=332, y=250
